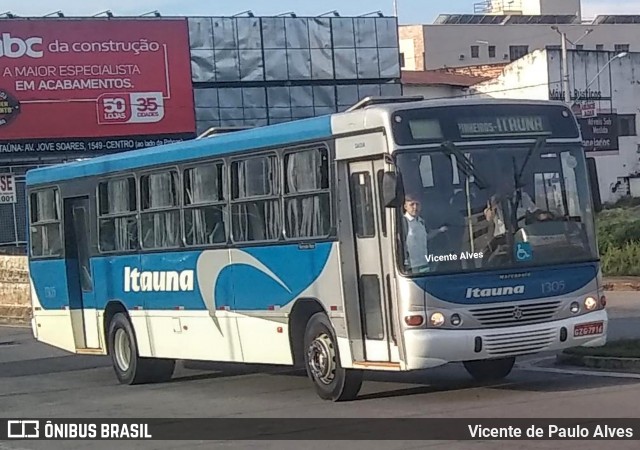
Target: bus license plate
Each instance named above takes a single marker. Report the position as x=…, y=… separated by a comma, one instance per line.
x=587, y=329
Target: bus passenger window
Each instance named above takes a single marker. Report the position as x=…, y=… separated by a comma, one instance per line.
x=255, y=208
x=46, y=237
x=306, y=203
x=160, y=219
x=118, y=222
x=205, y=206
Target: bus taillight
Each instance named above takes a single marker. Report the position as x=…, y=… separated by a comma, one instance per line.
x=414, y=321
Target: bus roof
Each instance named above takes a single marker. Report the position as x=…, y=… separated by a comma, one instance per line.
x=246, y=140
x=223, y=144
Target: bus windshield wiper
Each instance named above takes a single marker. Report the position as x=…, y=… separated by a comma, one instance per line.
x=536, y=149
x=517, y=175
x=463, y=163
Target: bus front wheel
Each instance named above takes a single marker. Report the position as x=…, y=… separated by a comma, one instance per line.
x=130, y=368
x=490, y=369
x=322, y=361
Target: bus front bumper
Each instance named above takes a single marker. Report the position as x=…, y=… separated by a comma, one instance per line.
x=435, y=347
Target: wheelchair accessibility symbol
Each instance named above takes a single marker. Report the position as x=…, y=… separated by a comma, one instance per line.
x=523, y=251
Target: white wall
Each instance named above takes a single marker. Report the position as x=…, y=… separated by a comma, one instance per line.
x=408, y=49
x=430, y=92
x=526, y=78
x=445, y=43
x=551, y=7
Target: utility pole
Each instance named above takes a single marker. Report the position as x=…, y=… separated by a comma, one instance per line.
x=395, y=8
x=565, y=65
x=565, y=70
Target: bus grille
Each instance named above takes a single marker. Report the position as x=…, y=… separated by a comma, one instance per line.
x=496, y=316
x=519, y=343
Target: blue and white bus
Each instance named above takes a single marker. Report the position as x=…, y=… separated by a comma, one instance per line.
x=399, y=235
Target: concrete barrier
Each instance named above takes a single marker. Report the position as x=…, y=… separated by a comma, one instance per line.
x=15, y=295
x=600, y=362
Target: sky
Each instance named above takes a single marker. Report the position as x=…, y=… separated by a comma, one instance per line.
x=410, y=11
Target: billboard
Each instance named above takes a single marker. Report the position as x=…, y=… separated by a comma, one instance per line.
x=94, y=85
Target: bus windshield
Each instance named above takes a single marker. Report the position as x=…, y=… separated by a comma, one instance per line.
x=500, y=208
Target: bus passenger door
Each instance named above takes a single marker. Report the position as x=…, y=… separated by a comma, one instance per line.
x=374, y=261
x=84, y=319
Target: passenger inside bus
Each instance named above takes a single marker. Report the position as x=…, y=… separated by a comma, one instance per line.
x=498, y=210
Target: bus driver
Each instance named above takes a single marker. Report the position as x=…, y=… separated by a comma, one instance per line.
x=416, y=234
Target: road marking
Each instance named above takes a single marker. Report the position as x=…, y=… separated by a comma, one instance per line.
x=531, y=366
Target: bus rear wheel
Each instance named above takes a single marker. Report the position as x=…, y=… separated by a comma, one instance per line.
x=130, y=368
x=322, y=361
x=490, y=369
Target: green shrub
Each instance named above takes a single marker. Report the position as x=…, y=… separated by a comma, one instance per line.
x=624, y=202
x=621, y=261
x=619, y=240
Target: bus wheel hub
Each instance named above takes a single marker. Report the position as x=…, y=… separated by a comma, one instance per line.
x=122, y=350
x=322, y=359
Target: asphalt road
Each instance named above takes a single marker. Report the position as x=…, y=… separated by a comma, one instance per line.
x=37, y=380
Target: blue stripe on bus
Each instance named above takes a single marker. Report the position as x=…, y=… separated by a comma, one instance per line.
x=538, y=283
x=241, y=286
x=238, y=141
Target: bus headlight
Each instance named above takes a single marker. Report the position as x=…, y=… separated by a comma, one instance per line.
x=590, y=303
x=437, y=319
x=575, y=307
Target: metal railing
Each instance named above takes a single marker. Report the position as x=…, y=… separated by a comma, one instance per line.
x=13, y=216
x=498, y=6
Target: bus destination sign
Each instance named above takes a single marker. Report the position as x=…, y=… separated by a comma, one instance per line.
x=483, y=122
x=504, y=126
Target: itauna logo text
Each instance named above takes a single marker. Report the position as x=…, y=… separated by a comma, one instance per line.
x=157, y=280
x=495, y=291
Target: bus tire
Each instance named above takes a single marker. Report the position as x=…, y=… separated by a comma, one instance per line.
x=130, y=368
x=322, y=362
x=490, y=369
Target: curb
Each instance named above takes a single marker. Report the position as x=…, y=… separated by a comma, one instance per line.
x=621, y=286
x=599, y=362
x=15, y=315
x=15, y=321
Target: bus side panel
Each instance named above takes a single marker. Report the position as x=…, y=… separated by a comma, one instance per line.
x=164, y=298
x=109, y=287
x=50, y=302
x=328, y=288
x=262, y=304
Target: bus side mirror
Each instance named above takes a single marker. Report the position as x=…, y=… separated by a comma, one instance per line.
x=593, y=182
x=391, y=190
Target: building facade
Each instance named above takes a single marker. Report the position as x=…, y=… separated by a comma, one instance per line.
x=503, y=31
x=434, y=85
x=605, y=94
x=74, y=88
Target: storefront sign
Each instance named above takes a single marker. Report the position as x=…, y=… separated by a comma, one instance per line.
x=7, y=188
x=600, y=133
